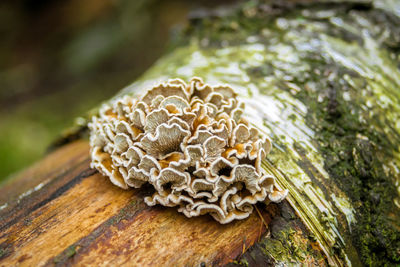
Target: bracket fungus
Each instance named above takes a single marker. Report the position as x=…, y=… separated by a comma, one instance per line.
x=190, y=142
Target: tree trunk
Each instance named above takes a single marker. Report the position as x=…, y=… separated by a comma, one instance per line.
x=322, y=80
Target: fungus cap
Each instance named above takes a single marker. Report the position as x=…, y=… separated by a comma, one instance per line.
x=190, y=142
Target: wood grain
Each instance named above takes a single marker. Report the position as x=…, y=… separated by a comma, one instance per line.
x=78, y=217
x=43, y=181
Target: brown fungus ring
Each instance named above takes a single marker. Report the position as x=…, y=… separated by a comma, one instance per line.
x=190, y=142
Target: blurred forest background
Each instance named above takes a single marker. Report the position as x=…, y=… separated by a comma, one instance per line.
x=59, y=59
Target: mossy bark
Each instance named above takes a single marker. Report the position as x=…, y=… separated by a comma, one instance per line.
x=323, y=81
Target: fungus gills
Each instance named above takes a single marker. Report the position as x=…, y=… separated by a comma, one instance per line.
x=191, y=144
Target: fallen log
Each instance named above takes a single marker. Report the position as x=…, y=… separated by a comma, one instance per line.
x=322, y=80
x=74, y=215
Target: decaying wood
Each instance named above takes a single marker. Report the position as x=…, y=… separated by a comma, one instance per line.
x=78, y=217
x=322, y=80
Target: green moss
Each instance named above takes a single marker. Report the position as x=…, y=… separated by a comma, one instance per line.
x=71, y=251
x=319, y=65
x=275, y=247
x=68, y=253
x=354, y=150
x=232, y=29
x=354, y=141
x=243, y=262
x=354, y=157
x=286, y=244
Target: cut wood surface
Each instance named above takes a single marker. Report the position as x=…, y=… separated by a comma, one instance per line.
x=76, y=216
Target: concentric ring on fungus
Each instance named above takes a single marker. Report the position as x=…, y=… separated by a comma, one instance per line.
x=190, y=142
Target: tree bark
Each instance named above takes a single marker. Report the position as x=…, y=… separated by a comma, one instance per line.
x=322, y=80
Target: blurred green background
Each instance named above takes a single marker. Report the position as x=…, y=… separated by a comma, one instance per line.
x=59, y=59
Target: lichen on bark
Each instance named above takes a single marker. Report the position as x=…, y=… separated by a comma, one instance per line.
x=322, y=80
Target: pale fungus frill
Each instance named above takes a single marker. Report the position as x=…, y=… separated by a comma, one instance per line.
x=191, y=144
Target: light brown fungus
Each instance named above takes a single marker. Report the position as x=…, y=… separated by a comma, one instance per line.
x=190, y=142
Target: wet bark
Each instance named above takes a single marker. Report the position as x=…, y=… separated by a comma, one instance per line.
x=322, y=79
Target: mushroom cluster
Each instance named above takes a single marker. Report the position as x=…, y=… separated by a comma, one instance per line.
x=190, y=142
